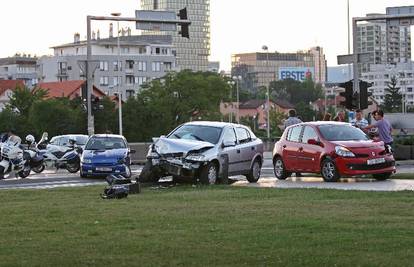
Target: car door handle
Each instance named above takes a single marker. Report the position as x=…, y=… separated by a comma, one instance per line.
x=238, y=151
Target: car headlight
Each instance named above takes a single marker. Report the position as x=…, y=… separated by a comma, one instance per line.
x=87, y=161
x=344, y=152
x=195, y=157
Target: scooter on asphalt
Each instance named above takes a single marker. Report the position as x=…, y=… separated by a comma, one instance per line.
x=60, y=157
x=36, y=159
x=14, y=159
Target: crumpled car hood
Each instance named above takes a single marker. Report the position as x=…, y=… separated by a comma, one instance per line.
x=165, y=145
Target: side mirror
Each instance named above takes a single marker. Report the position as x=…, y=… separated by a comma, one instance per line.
x=315, y=142
x=228, y=144
x=132, y=151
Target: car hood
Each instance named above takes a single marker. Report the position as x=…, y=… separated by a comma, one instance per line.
x=105, y=156
x=165, y=145
x=358, y=144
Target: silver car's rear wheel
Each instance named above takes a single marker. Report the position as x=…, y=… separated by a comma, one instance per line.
x=254, y=173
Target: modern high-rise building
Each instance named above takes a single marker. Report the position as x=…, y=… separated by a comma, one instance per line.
x=191, y=53
x=385, y=43
x=260, y=68
x=380, y=76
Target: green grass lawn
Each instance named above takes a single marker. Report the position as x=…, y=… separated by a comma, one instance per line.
x=207, y=226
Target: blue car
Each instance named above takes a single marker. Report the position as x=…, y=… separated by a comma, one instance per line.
x=106, y=154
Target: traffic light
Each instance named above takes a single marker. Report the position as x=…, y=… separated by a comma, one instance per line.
x=364, y=94
x=351, y=99
x=96, y=104
x=347, y=103
x=185, y=32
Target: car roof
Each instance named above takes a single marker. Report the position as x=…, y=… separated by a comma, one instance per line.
x=213, y=123
x=319, y=123
x=71, y=135
x=109, y=135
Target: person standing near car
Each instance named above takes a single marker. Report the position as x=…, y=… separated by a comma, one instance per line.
x=292, y=120
x=359, y=121
x=384, y=128
x=340, y=116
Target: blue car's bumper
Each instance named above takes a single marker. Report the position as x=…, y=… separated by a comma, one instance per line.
x=103, y=170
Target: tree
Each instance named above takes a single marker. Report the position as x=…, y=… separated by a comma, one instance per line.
x=56, y=116
x=294, y=91
x=106, y=120
x=304, y=111
x=23, y=99
x=393, y=97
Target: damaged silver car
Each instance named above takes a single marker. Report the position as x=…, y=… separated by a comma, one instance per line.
x=206, y=152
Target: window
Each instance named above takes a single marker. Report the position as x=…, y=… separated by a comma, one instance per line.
x=117, y=65
x=103, y=80
x=140, y=80
x=103, y=65
x=309, y=133
x=142, y=50
x=156, y=66
x=130, y=79
x=229, y=136
x=129, y=64
x=294, y=134
x=142, y=66
x=116, y=81
x=243, y=135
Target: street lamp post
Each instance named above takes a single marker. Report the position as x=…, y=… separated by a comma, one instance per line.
x=265, y=48
x=118, y=79
x=231, y=83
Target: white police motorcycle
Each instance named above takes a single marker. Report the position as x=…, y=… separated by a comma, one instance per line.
x=60, y=157
x=14, y=159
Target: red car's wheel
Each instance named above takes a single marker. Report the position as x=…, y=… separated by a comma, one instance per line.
x=329, y=171
x=279, y=169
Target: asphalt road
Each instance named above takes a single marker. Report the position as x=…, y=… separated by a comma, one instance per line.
x=62, y=178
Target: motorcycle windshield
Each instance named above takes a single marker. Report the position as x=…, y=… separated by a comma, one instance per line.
x=13, y=141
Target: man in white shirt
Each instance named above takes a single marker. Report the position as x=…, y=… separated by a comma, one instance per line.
x=359, y=121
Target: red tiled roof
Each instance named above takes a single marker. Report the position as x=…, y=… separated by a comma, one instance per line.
x=254, y=103
x=10, y=84
x=66, y=89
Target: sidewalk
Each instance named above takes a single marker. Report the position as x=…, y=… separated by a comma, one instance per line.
x=268, y=155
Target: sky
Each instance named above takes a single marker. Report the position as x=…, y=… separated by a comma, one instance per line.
x=237, y=26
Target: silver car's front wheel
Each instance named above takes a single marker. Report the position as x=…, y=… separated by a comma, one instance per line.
x=209, y=174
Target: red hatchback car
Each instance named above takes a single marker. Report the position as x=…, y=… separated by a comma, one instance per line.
x=333, y=149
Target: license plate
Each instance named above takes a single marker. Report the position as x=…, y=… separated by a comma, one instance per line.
x=375, y=161
x=103, y=169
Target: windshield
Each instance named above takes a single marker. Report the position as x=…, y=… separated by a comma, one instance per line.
x=197, y=132
x=105, y=143
x=81, y=140
x=342, y=133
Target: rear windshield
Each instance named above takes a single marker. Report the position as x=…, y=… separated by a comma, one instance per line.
x=105, y=143
x=342, y=133
x=197, y=132
x=81, y=140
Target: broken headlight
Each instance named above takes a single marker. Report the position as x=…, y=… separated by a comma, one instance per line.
x=195, y=157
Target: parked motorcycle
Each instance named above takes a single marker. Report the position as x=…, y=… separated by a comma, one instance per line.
x=36, y=159
x=14, y=159
x=60, y=157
